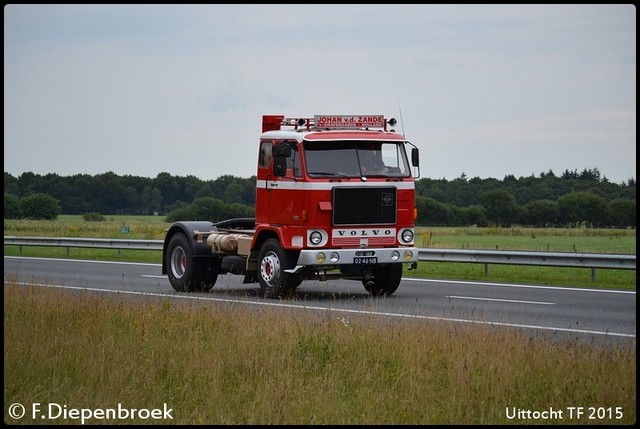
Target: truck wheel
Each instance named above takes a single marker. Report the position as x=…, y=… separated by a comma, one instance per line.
x=274, y=281
x=186, y=274
x=385, y=280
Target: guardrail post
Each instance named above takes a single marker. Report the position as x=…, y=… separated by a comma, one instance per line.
x=486, y=269
x=593, y=274
x=68, y=251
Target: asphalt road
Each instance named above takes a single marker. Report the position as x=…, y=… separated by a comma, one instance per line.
x=597, y=315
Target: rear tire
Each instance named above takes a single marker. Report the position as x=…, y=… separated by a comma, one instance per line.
x=385, y=281
x=274, y=281
x=186, y=273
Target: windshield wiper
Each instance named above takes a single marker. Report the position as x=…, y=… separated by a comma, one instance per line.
x=324, y=173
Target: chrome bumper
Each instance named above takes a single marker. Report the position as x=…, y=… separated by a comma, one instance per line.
x=387, y=255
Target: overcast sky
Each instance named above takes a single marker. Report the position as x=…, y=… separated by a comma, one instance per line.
x=485, y=91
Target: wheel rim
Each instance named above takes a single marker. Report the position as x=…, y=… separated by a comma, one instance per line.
x=270, y=269
x=178, y=262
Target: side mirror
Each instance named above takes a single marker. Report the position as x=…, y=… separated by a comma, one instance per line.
x=415, y=157
x=279, y=166
x=280, y=153
x=282, y=150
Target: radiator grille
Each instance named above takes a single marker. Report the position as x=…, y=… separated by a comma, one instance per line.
x=364, y=206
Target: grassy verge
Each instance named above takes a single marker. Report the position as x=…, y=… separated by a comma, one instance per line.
x=217, y=364
x=583, y=240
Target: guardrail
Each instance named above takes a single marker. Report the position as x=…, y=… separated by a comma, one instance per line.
x=98, y=243
x=547, y=259
x=486, y=257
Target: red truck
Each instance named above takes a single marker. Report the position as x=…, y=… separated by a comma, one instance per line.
x=335, y=198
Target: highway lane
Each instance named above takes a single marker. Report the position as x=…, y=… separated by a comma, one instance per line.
x=561, y=312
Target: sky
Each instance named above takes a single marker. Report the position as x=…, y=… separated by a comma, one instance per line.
x=484, y=91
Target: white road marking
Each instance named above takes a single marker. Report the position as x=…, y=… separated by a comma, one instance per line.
x=337, y=310
x=502, y=300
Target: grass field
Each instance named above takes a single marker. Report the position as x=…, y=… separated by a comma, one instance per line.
x=226, y=364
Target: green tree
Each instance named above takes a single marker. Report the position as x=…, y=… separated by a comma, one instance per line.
x=453, y=202
x=175, y=206
x=500, y=207
x=169, y=187
x=457, y=215
x=240, y=191
x=622, y=213
x=431, y=212
x=582, y=208
x=189, y=185
x=151, y=199
x=11, y=185
x=12, y=208
x=181, y=213
x=211, y=209
x=475, y=215
x=542, y=213
x=237, y=210
x=40, y=206
x=79, y=201
x=205, y=191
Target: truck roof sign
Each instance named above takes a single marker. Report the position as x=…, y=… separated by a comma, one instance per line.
x=349, y=121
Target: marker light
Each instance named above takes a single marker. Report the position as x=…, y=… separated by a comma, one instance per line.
x=408, y=255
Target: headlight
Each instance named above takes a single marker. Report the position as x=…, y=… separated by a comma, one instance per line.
x=320, y=258
x=315, y=237
x=407, y=236
x=334, y=258
x=395, y=255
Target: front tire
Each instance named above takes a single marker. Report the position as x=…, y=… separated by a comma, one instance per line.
x=272, y=261
x=186, y=273
x=385, y=281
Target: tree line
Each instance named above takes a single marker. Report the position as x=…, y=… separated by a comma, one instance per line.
x=571, y=199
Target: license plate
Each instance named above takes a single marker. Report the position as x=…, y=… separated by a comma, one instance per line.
x=365, y=261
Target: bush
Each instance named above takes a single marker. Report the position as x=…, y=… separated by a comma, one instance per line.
x=40, y=206
x=210, y=209
x=93, y=217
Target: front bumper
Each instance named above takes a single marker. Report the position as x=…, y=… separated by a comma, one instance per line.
x=327, y=258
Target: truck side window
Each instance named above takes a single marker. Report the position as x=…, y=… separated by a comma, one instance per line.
x=293, y=162
x=265, y=154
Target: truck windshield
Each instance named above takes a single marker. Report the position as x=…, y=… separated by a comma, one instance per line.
x=356, y=159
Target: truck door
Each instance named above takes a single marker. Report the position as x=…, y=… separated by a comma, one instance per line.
x=265, y=173
x=283, y=185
